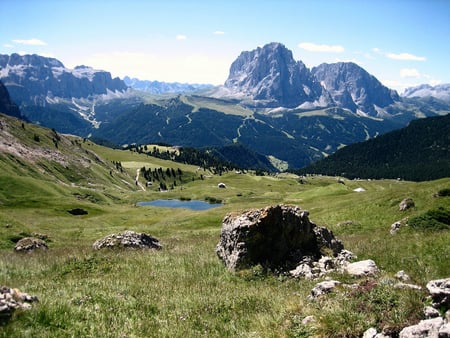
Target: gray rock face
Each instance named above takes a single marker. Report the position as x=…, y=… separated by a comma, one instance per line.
x=276, y=236
x=128, y=239
x=439, y=290
x=362, y=268
x=354, y=88
x=271, y=74
x=31, y=78
x=428, y=328
x=6, y=105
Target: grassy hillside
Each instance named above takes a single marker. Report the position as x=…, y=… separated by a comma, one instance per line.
x=184, y=290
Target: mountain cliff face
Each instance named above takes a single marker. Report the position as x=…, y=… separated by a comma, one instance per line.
x=33, y=78
x=158, y=87
x=271, y=75
x=6, y=105
x=353, y=88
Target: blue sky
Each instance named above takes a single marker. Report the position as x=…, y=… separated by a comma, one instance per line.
x=402, y=43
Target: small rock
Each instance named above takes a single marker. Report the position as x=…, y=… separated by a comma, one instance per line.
x=362, y=268
x=430, y=312
x=439, y=290
x=401, y=275
x=406, y=204
x=324, y=287
x=128, y=239
x=308, y=320
x=407, y=286
x=77, y=211
x=425, y=328
x=370, y=333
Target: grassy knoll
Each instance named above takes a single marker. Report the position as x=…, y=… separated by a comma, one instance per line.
x=184, y=290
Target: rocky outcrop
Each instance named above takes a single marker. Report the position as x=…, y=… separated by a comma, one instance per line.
x=28, y=244
x=270, y=75
x=13, y=299
x=439, y=290
x=128, y=239
x=406, y=204
x=6, y=105
x=354, y=88
x=276, y=237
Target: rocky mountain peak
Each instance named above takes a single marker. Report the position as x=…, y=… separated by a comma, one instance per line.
x=270, y=75
x=354, y=88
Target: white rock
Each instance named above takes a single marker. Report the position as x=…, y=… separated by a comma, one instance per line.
x=362, y=268
x=428, y=328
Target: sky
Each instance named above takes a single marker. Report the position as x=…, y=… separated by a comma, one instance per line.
x=403, y=43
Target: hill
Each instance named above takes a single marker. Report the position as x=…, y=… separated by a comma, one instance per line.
x=184, y=289
x=418, y=152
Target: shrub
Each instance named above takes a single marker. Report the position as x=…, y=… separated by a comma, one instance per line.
x=436, y=219
x=444, y=192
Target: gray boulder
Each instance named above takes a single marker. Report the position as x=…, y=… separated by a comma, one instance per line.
x=439, y=290
x=406, y=204
x=28, y=244
x=128, y=239
x=428, y=328
x=362, y=268
x=12, y=299
x=276, y=237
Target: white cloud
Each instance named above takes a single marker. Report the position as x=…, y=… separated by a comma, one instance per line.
x=8, y=45
x=181, y=37
x=31, y=42
x=405, y=57
x=219, y=33
x=188, y=68
x=312, y=47
x=409, y=72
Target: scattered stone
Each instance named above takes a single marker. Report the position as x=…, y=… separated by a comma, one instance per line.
x=425, y=328
x=276, y=237
x=370, y=333
x=439, y=290
x=401, y=285
x=359, y=190
x=77, y=212
x=28, y=244
x=362, y=268
x=323, y=288
x=308, y=320
x=430, y=312
x=13, y=299
x=401, y=275
x=128, y=239
x=221, y=185
x=406, y=204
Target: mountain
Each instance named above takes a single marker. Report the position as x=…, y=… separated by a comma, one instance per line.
x=441, y=92
x=271, y=76
x=6, y=105
x=34, y=79
x=418, y=152
x=354, y=88
x=157, y=87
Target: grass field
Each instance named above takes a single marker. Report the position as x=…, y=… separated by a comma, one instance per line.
x=184, y=290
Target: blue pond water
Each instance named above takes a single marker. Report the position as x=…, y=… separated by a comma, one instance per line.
x=191, y=204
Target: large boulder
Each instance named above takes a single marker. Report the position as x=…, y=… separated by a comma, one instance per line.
x=128, y=239
x=28, y=244
x=276, y=237
x=12, y=299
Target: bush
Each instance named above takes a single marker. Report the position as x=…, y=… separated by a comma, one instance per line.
x=444, y=192
x=436, y=219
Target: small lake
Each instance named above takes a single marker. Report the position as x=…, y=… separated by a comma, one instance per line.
x=187, y=204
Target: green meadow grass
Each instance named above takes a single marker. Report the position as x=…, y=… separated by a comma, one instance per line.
x=184, y=290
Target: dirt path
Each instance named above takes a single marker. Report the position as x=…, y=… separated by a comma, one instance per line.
x=139, y=184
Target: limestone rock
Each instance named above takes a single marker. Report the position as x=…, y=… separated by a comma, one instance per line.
x=370, y=333
x=28, y=244
x=362, y=268
x=128, y=239
x=13, y=299
x=324, y=287
x=425, y=328
x=439, y=290
x=430, y=312
x=278, y=237
x=406, y=204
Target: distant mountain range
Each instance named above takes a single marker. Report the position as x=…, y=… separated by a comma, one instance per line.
x=157, y=87
x=270, y=103
x=418, y=152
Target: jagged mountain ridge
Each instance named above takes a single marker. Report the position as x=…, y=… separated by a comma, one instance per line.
x=441, y=92
x=6, y=105
x=33, y=79
x=158, y=87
